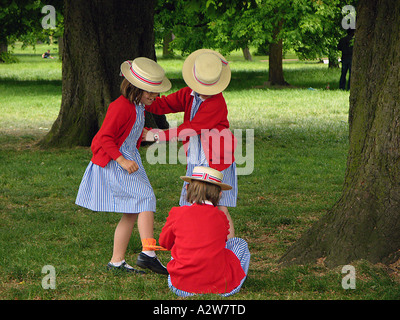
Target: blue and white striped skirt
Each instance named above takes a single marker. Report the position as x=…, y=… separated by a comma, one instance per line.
x=241, y=250
x=113, y=189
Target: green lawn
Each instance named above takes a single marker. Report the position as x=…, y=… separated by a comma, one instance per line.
x=300, y=149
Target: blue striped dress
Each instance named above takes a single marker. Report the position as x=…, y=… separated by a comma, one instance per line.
x=197, y=157
x=112, y=188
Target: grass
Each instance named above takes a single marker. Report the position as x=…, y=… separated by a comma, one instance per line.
x=300, y=149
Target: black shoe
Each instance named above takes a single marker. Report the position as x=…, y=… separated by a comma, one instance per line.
x=124, y=267
x=146, y=262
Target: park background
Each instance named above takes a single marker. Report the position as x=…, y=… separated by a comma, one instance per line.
x=300, y=148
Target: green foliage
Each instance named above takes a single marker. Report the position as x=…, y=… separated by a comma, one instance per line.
x=19, y=17
x=7, y=57
x=310, y=28
x=20, y=20
x=239, y=29
x=318, y=28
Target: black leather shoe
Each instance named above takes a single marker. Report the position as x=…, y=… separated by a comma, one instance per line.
x=146, y=262
x=124, y=267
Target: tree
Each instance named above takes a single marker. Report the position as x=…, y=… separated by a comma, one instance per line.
x=216, y=24
x=275, y=75
x=318, y=29
x=98, y=37
x=236, y=28
x=17, y=18
x=365, y=222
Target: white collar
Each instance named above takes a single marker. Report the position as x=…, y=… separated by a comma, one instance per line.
x=193, y=93
x=206, y=202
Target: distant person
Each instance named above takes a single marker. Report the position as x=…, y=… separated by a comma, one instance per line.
x=346, y=46
x=47, y=55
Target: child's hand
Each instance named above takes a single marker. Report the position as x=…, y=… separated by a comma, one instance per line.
x=148, y=135
x=129, y=165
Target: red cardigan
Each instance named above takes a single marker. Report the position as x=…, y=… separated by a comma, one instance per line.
x=212, y=117
x=196, y=236
x=118, y=123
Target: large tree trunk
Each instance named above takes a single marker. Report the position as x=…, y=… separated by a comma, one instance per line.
x=365, y=222
x=98, y=37
x=275, y=58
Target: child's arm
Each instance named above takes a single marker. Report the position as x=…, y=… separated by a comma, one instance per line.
x=212, y=114
x=167, y=236
x=173, y=103
x=116, y=119
x=107, y=135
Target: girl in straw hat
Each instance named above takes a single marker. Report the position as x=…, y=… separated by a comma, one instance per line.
x=203, y=259
x=205, y=129
x=115, y=179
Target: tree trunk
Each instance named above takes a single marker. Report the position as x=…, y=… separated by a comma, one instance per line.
x=333, y=59
x=275, y=58
x=167, y=51
x=246, y=54
x=365, y=222
x=60, y=47
x=98, y=37
x=3, y=47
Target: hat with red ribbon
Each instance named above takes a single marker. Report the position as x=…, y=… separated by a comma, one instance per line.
x=145, y=74
x=206, y=72
x=208, y=175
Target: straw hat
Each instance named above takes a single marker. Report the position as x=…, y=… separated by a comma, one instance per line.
x=209, y=175
x=206, y=72
x=145, y=74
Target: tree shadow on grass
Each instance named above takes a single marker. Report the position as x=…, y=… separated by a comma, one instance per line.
x=48, y=87
x=298, y=78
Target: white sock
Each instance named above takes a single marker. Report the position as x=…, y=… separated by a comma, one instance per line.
x=117, y=264
x=151, y=254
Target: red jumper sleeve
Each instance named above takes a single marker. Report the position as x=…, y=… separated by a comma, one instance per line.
x=173, y=103
x=212, y=113
x=167, y=236
x=112, y=129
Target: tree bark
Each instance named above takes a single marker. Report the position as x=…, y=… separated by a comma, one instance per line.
x=3, y=47
x=275, y=58
x=98, y=37
x=365, y=222
x=60, y=46
x=247, y=54
x=167, y=51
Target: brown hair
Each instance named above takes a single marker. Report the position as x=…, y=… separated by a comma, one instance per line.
x=199, y=191
x=129, y=91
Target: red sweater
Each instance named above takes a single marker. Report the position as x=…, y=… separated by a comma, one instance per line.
x=118, y=123
x=196, y=236
x=212, y=117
